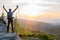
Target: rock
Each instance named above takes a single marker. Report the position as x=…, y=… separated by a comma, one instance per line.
x=9, y=36
x=2, y=26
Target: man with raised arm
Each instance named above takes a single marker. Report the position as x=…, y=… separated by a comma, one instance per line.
x=10, y=17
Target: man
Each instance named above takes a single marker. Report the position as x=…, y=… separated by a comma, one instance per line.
x=10, y=17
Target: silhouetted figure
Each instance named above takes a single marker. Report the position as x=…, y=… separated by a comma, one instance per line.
x=10, y=17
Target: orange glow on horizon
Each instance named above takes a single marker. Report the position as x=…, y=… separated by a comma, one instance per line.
x=42, y=15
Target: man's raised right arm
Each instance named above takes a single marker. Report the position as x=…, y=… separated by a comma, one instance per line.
x=4, y=8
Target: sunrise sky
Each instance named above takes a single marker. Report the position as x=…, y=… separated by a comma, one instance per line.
x=35, y=9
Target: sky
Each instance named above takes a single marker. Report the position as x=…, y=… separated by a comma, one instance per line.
x=46, y=10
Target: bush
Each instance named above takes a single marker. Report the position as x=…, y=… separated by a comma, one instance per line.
x=38, y=35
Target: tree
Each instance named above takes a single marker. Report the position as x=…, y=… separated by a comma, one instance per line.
x=2, y=16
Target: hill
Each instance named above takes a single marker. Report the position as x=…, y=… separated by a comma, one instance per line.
x=41, y=26
x=35, y=24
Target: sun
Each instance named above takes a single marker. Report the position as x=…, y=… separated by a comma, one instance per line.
x=31, y=10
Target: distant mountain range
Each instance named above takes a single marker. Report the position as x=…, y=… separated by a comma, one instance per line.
x=35, y=24
x=53, y=21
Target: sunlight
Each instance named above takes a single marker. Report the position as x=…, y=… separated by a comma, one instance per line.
x=32, y=10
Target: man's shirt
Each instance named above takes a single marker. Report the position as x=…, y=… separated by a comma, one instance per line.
x=9, y=14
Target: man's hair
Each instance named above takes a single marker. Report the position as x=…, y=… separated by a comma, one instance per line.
x=9, y=9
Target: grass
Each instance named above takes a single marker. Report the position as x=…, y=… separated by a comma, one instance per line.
x=37, y=36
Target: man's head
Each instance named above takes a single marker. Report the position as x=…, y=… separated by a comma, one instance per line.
x=9, y=10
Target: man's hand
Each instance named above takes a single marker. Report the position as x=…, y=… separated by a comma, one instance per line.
x=17, y=6
x=3, y=6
